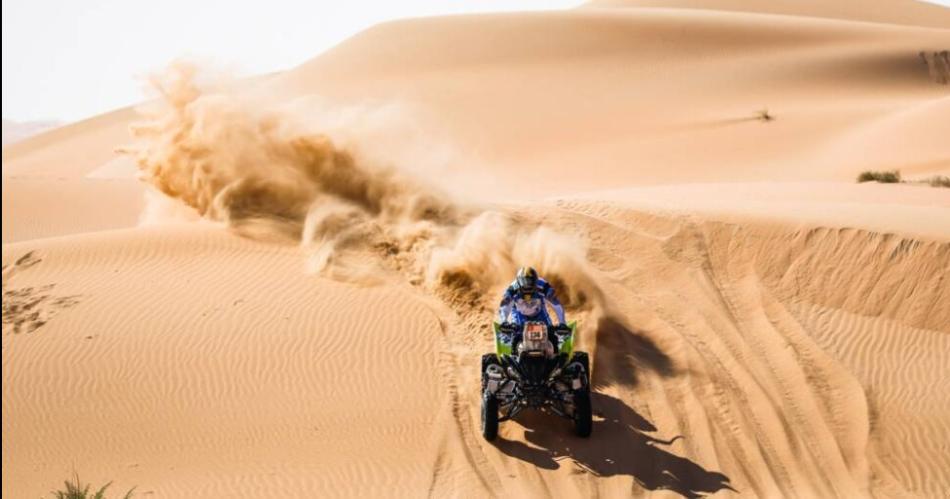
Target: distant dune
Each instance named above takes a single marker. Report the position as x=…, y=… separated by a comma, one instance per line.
x=283, y=287
x=908, y=12
x=16, y=131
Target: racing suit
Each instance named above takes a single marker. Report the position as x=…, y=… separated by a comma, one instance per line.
x=517, y=307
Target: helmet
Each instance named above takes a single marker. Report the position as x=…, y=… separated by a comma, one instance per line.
x=527, y=279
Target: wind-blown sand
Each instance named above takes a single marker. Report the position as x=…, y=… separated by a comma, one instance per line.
x=760, y=325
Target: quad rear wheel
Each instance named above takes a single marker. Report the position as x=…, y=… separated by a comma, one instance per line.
x=583, y=419
x=489, y=417
x=489, y=402
x=584, y=360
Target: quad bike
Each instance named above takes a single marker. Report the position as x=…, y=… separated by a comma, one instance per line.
x=535, y=366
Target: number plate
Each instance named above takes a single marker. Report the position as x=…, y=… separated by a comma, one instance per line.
x=535, y=332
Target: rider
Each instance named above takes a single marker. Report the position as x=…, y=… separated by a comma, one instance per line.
x=526, y=299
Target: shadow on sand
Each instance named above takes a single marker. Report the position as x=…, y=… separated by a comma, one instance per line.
x=622, y=352
x=618, y=446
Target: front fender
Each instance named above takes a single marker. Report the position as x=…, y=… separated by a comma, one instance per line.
x=501, y=348
x=567, y=346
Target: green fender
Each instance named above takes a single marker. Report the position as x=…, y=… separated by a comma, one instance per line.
x=501, y=348
x=567, y=347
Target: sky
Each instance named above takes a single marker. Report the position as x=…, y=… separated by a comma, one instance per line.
x=66, y=60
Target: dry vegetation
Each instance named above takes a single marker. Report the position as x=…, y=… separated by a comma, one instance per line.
x=884, y=177
x=75, y=489
x=894, y=177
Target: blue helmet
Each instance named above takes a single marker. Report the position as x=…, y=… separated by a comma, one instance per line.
x=527, y=280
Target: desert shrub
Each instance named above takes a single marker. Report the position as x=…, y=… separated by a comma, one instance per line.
x=75, y=489
x=939, y=181
x=886, y=177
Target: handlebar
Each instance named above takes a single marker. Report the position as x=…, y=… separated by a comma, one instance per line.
x=509, y=328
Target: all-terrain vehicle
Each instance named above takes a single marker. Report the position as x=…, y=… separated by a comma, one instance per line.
x=535, y=366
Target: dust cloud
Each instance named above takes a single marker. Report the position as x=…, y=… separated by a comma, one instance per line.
x=262, y=168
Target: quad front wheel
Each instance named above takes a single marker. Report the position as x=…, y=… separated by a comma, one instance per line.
x=490, y=417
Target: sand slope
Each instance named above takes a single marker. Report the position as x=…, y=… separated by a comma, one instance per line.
x=909, y=12
x=720, y=337
x=762, y=326
x=603, y=97
x=91, y=142
x=14, y=131
x=222, y=380
x=36, y=208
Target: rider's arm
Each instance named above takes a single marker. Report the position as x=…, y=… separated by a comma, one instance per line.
x=555, y=304
x=504, y=309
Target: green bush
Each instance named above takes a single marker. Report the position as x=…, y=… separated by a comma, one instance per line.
x=76, y=490
x=886, y=177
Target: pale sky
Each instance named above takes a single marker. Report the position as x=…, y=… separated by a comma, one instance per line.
x=68, y=60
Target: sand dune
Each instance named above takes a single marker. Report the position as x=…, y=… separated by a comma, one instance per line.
x=899, y=391
x=14, y=131
x=616, y=98
x=37, y=208
x=199, y=388
x=709, y=339
x=759, y=324
x=909, y=12
x=91, y=143
x=890, y=209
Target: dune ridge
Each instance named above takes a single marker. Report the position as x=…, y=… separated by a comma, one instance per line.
x=910, y=12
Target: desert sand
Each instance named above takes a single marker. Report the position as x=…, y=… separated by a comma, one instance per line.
x=283, y=288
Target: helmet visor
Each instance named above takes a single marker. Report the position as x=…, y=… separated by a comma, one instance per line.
x=527, y=283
